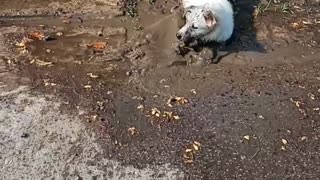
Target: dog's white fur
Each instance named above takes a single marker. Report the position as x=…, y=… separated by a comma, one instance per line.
x=223, y=13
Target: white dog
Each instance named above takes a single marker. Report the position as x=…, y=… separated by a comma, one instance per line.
x=206, y=21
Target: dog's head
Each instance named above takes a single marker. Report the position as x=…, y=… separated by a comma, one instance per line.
x=200, y=21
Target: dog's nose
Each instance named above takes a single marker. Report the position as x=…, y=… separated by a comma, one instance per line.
x=179, y=36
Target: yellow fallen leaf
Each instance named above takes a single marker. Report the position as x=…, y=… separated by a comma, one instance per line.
x=188, y=150
x=92, y=75
x=195, y=147
x=140, y=107
x=87, y=86
x=284, y=142
x=246, y=137
x=176, y=117
x=41, y=63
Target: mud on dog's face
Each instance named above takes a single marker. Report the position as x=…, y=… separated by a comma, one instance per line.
x=200, y=21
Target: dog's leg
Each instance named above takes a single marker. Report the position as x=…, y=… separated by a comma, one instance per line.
x=215, y=56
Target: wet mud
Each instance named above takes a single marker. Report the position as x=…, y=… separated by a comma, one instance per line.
x=121, y=69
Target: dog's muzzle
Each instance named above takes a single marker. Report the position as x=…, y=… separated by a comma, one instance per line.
x=186, y=37
x=179, y=36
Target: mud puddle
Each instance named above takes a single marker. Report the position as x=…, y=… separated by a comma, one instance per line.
x=123, y=86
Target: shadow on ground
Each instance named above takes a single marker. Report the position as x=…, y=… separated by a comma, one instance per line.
x=245, y=32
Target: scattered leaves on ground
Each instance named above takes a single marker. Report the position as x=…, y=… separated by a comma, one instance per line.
x=177, y=100
x=23, y=43
x=133, y=131
x=196, y=145
x=48, y=83
x=189, y=153
x=299, y=106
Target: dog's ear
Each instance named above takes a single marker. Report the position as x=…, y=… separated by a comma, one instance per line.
x=187, y=10
x=209, y=17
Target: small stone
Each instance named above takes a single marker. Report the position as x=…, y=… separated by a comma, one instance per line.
x=129, y=73
x=148, y=36
x=303, y=138
x=25, y=135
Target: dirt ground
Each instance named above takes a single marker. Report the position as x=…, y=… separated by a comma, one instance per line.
x=94, y=90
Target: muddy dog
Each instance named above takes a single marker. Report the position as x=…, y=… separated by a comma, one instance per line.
x=208, y=24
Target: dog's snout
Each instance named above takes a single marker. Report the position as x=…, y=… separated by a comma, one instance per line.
x=179, y=36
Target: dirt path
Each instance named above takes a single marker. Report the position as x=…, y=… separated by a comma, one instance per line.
x=94, y=95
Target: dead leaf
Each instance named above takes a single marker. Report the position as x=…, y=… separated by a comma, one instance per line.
x=188, y=150
x=66, y=21
x=48, y=83
x=246, y=137
x=109, y=92
x=297, y=25
x=284, y=141
x=188, y=156
x=162, y=81
x=97, y=45
x=92, y=75
x=41, y=63
x=307, y=22
x=23, y=43
x=59, y=33
x=156, y=112
x=311, y=96
x=303, y=138
x=87, y=86
x=133, y=131
x=176, y=117
x=140, y=107
x=37, y=35
x=178, y=100
x=299, y=104
x=196, y=146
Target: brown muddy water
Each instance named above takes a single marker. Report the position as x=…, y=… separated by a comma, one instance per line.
x=267, y=89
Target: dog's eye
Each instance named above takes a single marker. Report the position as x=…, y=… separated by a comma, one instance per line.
x=194, y=27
